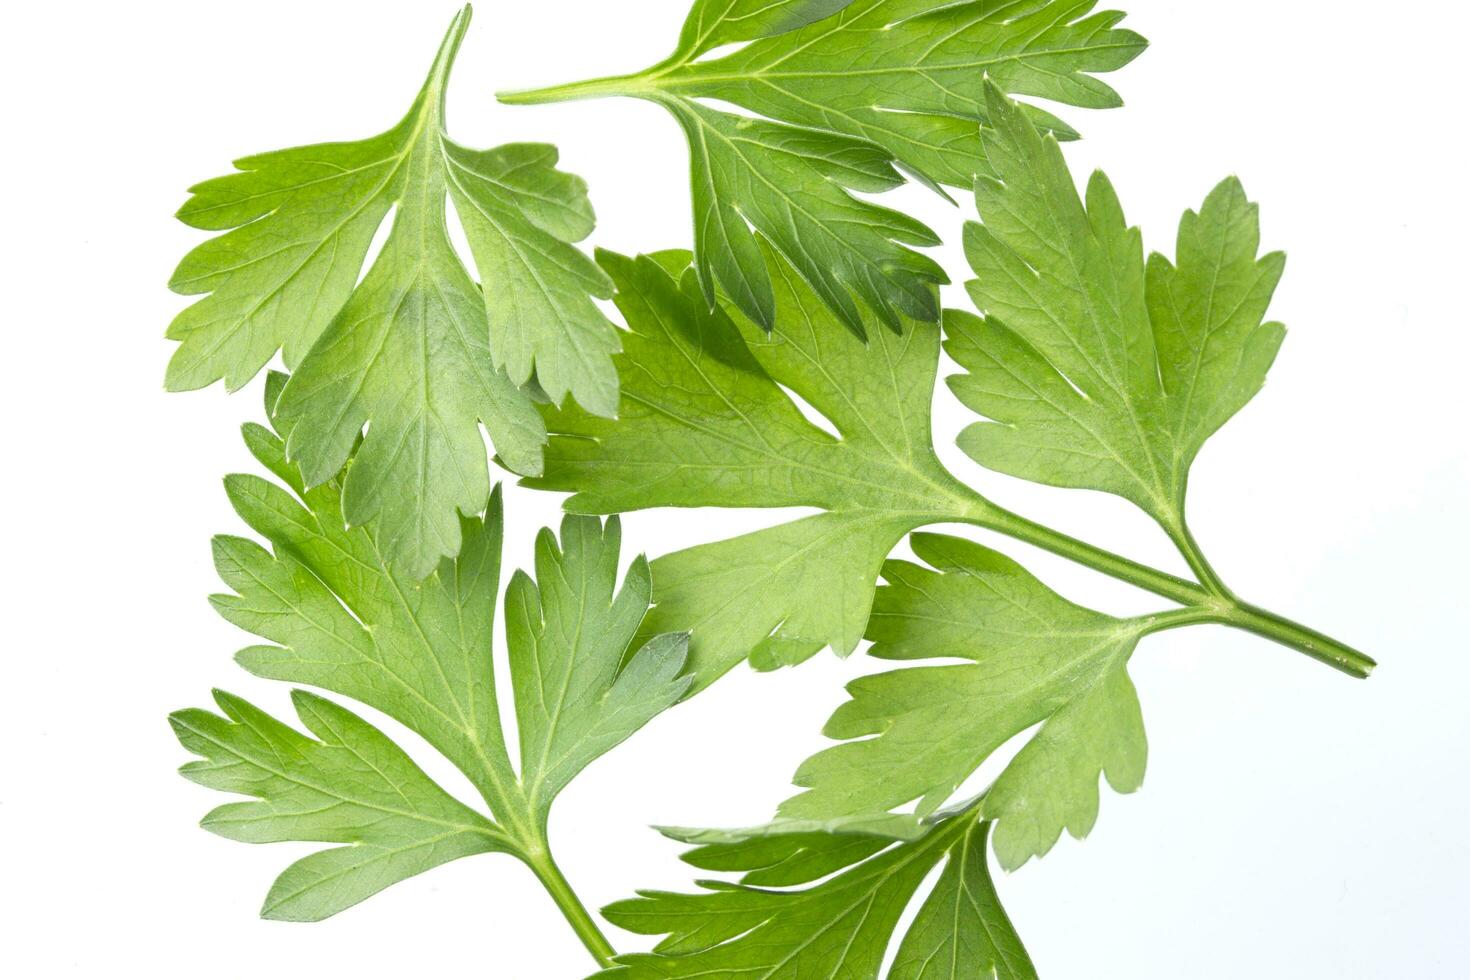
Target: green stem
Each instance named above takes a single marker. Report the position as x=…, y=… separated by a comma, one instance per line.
x=1195, y=556
x=594, y=88
x=1171, y=519
x=581, y=921
x=1002, y=521
x=1207, y=604
x=1318, y=646
x=1176, y=618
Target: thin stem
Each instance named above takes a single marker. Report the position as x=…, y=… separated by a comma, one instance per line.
x=1171, y=518
x=594, y=88
x=1195, y=556
x=1205, y=604
x=1175, y=618
x=1002, y=521
x=1318, y=646
x=581, y=921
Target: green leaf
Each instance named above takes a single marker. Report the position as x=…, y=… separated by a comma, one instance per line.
x=792, y=186
x=708, y=419
x=840, y=927
x=844, y=96
x=715, y=23
x=351, y=785
x=340, y=617
x=416, y=350
x=777, y=596
x=1033, y=659
x=961, y=930
x=1097, y=371
x=566, y=638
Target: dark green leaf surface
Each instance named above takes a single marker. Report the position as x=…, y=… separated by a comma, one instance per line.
x=792, y=185
x=846, y=94
x=961, y=930
x=417, y=350
x=839, y=927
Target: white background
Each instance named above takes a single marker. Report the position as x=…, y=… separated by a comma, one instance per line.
x=1295, y=823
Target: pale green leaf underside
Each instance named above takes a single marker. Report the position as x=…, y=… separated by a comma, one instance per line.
x=776, y=596
x=340, y=617
x=350, y=785
x=847, y=95
x=1034, y=659
x=836, y=927
x=567, y=631
x=706, y=420
x=417, y=350
x=1099, y=370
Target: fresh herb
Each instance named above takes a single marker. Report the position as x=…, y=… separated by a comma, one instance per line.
x=789, y=360
x=340, y=617
x=1029, y=657
x=1094, y=369
x=416, y=349
x=838, y=926
x=845, y=96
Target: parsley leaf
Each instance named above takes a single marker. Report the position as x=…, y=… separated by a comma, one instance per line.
x=340, y=617
x=1097, y=370
x=706, y=420
x=845, y=95
x=840, y=927
x=417, y=350
x=788, y=361
x=715, y=23
x=350, y=785
x=711, y=417
x=1033, y=658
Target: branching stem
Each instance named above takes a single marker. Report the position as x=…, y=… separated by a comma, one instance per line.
x=1198, y=563
x=1208, y=598
x=1212, y=602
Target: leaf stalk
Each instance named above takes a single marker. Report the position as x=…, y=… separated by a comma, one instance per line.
x=1212, y=602
x=577, y=915
x=1195, y=556
x=635, y=85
